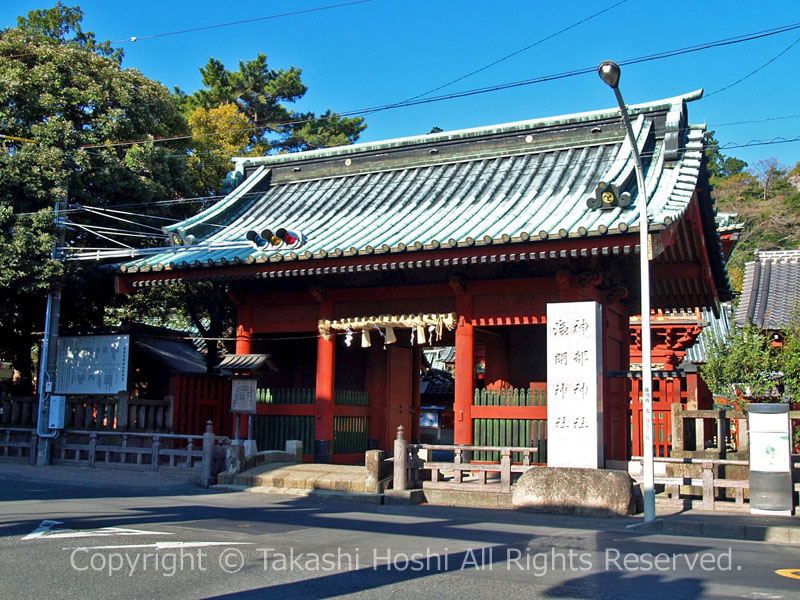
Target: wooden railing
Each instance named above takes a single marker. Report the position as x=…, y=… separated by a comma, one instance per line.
x=201, y=455
x=119, y=414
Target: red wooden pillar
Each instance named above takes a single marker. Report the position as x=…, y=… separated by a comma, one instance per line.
x=416, y=397
x=636, y=416
x=326, y=362
x=244, y=330
x=244, y=345
x=465, y=371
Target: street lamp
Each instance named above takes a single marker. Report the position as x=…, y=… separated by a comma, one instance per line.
x=609, y=72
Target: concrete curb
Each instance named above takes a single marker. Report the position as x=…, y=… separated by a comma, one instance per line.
x=777, y=534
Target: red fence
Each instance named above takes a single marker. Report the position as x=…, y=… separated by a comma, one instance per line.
x=669, y=387
x=199, y=399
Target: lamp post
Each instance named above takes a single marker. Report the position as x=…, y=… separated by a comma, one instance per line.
x=609, y=72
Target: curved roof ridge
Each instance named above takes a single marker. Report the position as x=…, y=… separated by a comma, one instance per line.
x=458, y=134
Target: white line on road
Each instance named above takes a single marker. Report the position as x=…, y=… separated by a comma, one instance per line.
x=161, y=545
x=45, y=531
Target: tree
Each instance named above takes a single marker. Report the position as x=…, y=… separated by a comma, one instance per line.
x=765, y=201
x=240, y=113
x=741, y=364
x=70, y=94
x=220, y=133
x=261, y=94
x=718, y=164
x=63, y=23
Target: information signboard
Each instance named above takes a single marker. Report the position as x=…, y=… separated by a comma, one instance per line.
x=243, y=395
x=92, y=364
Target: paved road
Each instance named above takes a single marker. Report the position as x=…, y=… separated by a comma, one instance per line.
x=90, y=541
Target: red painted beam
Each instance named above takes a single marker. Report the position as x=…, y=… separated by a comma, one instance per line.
x=292, y=410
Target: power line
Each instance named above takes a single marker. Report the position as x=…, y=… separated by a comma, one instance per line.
x=214, y=198
x=478, y=91
x=776, y=140
x=520, y=51
x=136, y=38
x=715, y=126
x=751, y=73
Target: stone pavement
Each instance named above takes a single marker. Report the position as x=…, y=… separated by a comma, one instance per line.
x=301, y=479
x=145, y=481
x=670, y=521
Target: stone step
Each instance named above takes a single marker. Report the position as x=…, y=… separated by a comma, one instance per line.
x=327, y=494
x=333, y=478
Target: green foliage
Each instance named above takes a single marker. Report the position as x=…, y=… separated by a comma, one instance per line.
x=790, y=359
x=742, y=363
x=718, y=164
x=260, y=95
x=765, y=200
x=27, y=274
x=63, y=23
x=745, y=363
x=58, y=86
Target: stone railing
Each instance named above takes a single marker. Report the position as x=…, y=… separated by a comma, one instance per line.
x=202, y=455
x=709, y=484
x=18, y=443
x=709, y=434
x=413, y=469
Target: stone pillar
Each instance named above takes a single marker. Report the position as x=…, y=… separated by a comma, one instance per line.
x=208, y=455
x=373, y=463
x=295, y=448
x=465, y=371
x=326, y=363
x=400, y=461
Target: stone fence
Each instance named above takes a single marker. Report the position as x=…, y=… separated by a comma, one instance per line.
x=202, y=456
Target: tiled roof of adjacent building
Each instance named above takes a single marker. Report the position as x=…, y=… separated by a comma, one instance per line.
x=771, y=289
x=717, y=327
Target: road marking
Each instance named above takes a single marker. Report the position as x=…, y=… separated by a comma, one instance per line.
x=45, y=531
x=162, y=545
x=791, y=573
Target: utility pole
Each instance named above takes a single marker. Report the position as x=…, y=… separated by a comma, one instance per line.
x=48, y=357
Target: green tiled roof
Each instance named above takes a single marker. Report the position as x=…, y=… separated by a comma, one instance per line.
x=504, y=184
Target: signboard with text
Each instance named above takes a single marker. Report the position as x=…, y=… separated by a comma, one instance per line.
x=92, y=364
x=574, y=385
x=243, y=395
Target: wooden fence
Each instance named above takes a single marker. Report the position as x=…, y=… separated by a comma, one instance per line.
x=510, y=417
x=285, y=414
x=198, y=399
x=107, y=413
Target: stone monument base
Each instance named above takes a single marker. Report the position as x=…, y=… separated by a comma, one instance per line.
x=595, y=492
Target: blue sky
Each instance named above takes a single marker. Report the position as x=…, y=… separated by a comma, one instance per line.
x=385, y=51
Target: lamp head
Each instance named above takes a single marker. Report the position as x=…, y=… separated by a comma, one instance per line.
x=609, y=72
